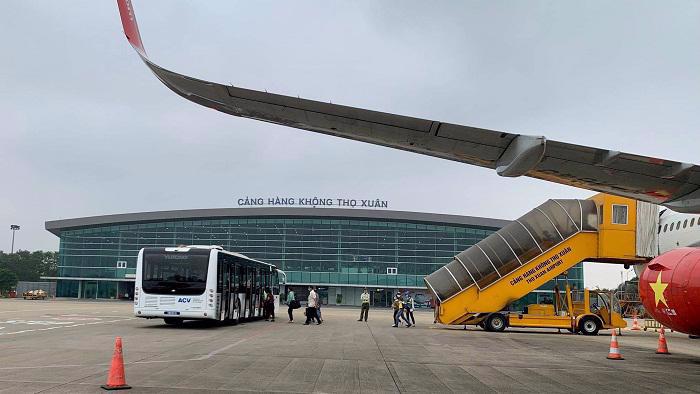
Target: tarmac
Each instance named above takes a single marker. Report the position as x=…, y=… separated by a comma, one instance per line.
x=66, y=347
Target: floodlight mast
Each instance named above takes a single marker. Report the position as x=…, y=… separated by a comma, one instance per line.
x=13, y=227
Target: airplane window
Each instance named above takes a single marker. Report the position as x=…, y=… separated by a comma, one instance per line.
x=665, y=227
x=685, y=223
x=692, y=222
x=678, y=225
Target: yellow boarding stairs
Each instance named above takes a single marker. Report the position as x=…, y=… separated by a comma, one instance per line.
x=546, y=242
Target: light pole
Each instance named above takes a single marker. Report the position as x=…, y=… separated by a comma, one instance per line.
x=13, y=227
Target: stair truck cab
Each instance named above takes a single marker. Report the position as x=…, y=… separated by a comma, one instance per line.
x=481, y=282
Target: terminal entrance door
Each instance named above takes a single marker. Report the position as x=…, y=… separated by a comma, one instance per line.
x=382, y=298
x=89, y=289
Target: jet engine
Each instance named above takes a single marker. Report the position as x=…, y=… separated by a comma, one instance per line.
x=670, y=289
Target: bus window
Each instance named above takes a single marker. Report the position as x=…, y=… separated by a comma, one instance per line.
x=175, y=272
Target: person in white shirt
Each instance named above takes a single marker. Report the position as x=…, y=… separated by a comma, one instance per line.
x=364, y=310
x=312, y=301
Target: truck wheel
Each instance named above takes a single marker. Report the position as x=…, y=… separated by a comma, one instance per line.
x=482, y=325
x=496, y=322
x=589, y=326
x=172, y=321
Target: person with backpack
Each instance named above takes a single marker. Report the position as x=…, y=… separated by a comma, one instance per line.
x=408, y=310
x=290, y=305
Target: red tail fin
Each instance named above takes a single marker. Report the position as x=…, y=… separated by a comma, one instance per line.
x=131, y=28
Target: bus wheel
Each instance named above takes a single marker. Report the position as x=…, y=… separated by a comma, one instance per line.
x=496, y=322
x=173, y=321
x=589, y=326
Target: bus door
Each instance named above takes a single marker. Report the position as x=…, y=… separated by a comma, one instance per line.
x=230, y=295
x=236, y=291
x=250, y=292
x=255, y=281
x=243, y=293
x=225, y=289
x=276, y=290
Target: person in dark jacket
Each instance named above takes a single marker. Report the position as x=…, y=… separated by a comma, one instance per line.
x=269, y=305
x=408, y=306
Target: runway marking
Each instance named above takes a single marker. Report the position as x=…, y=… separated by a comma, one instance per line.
x=34, y=322
x=62, y=325
x=74, y=308
x=200, y=358
x=223, y=349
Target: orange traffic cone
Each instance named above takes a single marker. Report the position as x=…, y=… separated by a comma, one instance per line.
x=116, y=379
x=663, y=347
x=635, y=323
x=614, y=353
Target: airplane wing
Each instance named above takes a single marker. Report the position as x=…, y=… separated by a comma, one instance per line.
x=666, y=182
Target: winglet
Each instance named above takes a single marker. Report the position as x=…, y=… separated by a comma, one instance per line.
x=131, y=28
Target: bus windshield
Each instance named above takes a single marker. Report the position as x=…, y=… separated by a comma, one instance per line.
x=178, y=273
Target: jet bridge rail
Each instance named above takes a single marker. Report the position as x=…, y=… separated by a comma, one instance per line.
x=528, y=252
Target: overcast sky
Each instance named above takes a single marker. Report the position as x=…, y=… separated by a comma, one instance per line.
x=86, y=129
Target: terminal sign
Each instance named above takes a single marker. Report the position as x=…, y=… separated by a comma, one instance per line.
x=312, y=202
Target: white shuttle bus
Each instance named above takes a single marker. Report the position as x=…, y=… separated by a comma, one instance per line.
x=201, y=283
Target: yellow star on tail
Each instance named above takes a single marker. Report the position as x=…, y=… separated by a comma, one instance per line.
x=659, y=288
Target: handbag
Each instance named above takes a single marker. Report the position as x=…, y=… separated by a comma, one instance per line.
x=295, y=304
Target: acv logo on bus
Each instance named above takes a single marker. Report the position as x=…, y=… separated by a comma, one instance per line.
x=184, y=300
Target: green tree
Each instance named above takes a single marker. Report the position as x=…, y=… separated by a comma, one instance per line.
x=8, y=280
x=30, y=266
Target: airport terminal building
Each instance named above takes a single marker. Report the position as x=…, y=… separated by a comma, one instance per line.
x=340, y=250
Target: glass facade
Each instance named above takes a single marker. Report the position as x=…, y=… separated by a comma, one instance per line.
x=324, y=251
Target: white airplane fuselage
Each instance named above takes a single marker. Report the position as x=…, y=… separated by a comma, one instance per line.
x=677, y=230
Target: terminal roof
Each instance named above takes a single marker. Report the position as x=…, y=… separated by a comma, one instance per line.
x=56, y=226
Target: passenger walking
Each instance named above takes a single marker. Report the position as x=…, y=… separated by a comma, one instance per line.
x=311, y=313
x=408, y=310
x=290, y=303
x=364, y=299
x=318, y=308
x=269, y=305
x=395, y=306
x=398, y=312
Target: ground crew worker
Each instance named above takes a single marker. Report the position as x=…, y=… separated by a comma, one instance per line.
x=364, y=299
